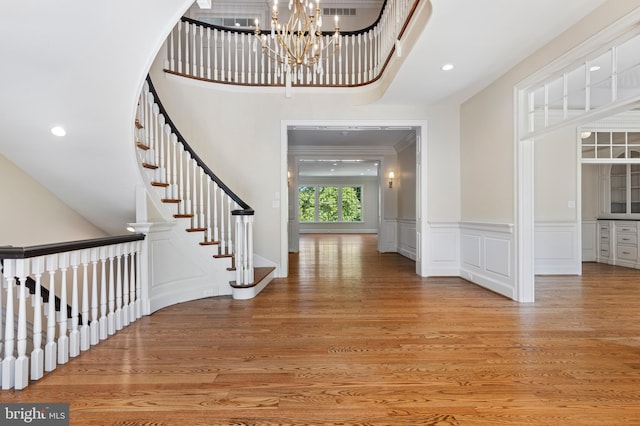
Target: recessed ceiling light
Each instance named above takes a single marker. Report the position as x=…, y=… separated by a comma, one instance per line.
x=594, y=68
x=58, y=131
x=447, y=67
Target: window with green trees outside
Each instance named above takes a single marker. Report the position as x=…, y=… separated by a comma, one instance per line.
x=342, y=203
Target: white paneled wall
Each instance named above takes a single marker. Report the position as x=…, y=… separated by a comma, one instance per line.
x=557, y=248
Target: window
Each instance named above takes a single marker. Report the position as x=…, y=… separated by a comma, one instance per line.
x=342, y=203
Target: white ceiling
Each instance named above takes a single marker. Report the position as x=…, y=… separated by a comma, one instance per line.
x=65, y=64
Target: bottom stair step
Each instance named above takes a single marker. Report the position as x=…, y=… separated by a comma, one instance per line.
x=262, y=276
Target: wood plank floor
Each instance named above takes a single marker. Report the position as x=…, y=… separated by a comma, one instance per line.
x=354, y=337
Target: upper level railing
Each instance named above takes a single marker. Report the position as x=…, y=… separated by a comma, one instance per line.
x=222, y=55
x=101, y=278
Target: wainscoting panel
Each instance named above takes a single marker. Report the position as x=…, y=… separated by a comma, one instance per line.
x=407, y=238
x=444, y=249
x=557, y=249
x=589, y=235
x=488, y=256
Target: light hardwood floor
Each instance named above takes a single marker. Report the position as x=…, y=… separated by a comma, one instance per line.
x=354, y=337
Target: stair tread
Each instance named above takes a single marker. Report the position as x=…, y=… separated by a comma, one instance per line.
x=162, y=184
x=170, y=200
x=220, y=256
x=259, y=273
x=142, y=146
x=139, y=125
x=196, y=229
x=209, y=243
x=149, y=166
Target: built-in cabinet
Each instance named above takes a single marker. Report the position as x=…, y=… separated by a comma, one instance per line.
x=618, y=242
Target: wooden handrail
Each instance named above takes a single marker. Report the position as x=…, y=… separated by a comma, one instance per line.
x=193, y=154
x=11, y=252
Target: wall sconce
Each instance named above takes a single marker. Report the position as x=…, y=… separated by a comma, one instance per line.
x=391, y=177
x=288, y=178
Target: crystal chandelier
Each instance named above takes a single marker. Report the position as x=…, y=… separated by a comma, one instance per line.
x=299, y=43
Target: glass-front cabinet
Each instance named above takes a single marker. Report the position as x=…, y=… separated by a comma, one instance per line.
x=625, y=187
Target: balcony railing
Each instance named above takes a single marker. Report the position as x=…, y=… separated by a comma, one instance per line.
x=222, y=55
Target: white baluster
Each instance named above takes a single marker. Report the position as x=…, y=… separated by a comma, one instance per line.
x=182, y=206
x=85, y=341
x=132, y=283
x=215, y=54
x=139, y=247
x=104, y=253
x=111, y=298
x=187, y=64
x=187, y=199
x=125, y=285
x=173, y=187
x=51, y=348
x=353, y=59
x=37, y=354
x=172, y=60
x=216, y=229
x=235, y=53
x=22, y=362
x=208, y=204
x=194, y=194
x=208, y=53
x=229, y=65
x=194, y=65
x=63, y=339
x=201, y=52
x=230, y=236
x=223, y=242
x=74, y=334
x=222, y=55
x=180, y=47
x=242, y=41
x=9, y=360
x=118, y=287
x=94, y=327
x=3, y=284
x=160, y=171
x=201, y=222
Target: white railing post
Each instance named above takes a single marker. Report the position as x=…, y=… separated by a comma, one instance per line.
x=111, y=298
x=85, y=343
x=125, y=286
x=51, y=348
x=74, y=334
x=22, y=362
x=94, y=327
x=103, y=293
x=118, y=288
x=63, y=339
x=37, y=354
x=239, y=252
x=9, y=360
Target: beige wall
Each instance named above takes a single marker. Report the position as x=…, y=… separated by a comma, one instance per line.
x=34, y=215
x=405, y=182
x=487, y=126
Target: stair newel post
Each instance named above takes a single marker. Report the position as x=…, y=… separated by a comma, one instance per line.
x=9, y=360
x=22, y=362
x=85, y=343
x=111, y=294
x=125, y=286
x=103, y=293
x=118, y=287
x=249, y=256
x=229, y=228
x=201, y=222
x=74, y=334
x=63, y=339
x=239, y=252
x=37, y=354
x=3, y=284
x=94, y=327
x=51, y=348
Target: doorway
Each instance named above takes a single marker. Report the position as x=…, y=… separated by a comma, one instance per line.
x=373, y=143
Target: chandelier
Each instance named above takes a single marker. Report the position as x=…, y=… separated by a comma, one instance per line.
x=299, y=42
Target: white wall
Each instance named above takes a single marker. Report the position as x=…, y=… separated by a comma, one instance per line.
x=405, y=182
x=32, y=215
